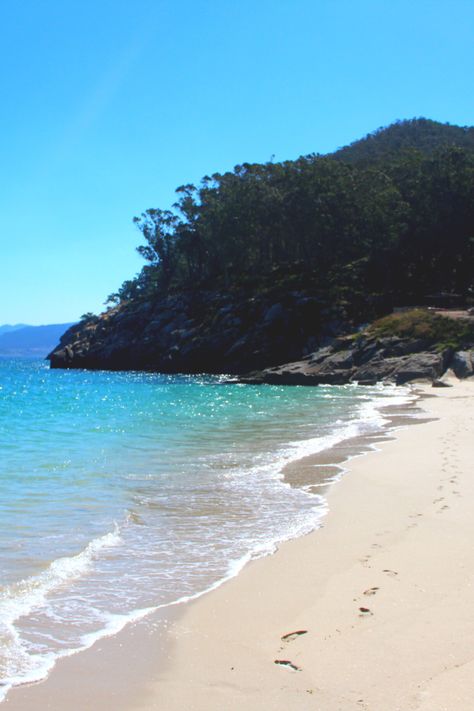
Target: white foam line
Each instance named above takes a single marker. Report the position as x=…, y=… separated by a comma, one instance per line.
x=369, y=415
x=48, y=661
x=20, y=599
x=65, y=569
x=410, y=397
x=118, y=622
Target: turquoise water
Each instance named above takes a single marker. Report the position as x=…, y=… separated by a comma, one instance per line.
x=123, y=492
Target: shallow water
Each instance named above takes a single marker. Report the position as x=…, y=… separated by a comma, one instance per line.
x=123, y=492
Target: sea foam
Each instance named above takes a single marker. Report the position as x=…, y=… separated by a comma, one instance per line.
x=172, y=485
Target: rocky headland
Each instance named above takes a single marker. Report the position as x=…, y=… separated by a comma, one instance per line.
x=202, y=331
x=285, y=262
x=251, y=337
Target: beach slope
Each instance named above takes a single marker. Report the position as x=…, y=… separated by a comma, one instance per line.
x=372, y=612
x=383, y=593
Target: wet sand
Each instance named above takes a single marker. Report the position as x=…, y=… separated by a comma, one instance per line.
x=382, y=592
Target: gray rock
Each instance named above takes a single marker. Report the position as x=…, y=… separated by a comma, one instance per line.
x=319, y=355
x=274, y=313
x=327, y=366
x=365, y=352
x=419, y=366
x=375, y=370
x=462, y=364
x=342, y=360
x=395, y=346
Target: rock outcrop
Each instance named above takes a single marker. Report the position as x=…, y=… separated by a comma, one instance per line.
x=462, y=364
x=366, y=361
x=201, y=332
x=234, y=333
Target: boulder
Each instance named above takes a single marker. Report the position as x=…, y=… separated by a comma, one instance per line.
x=419, y=366
x=319, y=355
x=462, y=364
x=375, y=370
x=275, y=313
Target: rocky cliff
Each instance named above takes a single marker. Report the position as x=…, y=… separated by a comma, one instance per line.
x=202, y=332
x=217, y=332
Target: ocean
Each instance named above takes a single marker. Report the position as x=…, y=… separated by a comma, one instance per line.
x=121, y=493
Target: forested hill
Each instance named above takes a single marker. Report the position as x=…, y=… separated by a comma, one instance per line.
x=257, y=265
x=421, y=134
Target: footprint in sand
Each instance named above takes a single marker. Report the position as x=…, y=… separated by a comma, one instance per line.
x=365, y=612
x=392, y=573
x=287, y=663
x=371, y=591
x=290, y=636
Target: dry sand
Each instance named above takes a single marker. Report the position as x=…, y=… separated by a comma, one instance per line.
x=384, y=592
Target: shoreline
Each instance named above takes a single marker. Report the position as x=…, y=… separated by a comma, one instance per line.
x=200, y=660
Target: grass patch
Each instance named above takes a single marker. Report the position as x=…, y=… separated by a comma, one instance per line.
x=439, y=331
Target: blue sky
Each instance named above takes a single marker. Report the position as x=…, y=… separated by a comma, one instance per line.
x=109, y=105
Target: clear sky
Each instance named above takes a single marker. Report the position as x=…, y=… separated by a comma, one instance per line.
x=109, y=105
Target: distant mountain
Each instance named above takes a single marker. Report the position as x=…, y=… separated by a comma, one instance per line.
x=7, y=328
x=420, y=134
x=30, y=340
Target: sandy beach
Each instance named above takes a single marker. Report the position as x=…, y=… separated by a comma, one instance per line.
x=371, y=612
